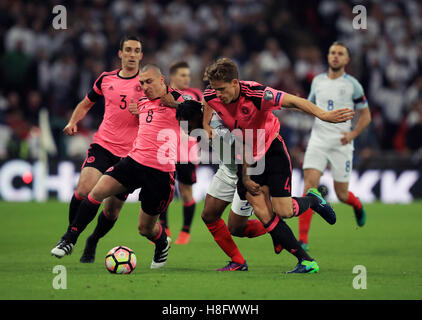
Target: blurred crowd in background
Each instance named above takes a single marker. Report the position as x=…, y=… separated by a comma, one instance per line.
x=278, y=43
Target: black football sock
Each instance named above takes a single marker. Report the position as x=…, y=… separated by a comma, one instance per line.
x=188, y=211
x=283, y=235
x=160, y=239
x=104, y=225
x=302, y=204
x=87, y=211
x=163, y=219
x=75, y=202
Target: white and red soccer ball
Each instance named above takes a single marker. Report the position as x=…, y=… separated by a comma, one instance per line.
x=121, y=260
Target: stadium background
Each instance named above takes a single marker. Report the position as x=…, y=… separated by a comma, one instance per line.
x=273, y=42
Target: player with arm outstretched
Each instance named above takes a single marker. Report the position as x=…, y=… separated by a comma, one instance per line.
x=150, y=165
x=333, y=143
x=246, y=105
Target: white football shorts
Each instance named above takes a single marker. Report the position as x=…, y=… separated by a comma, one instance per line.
x=224, y=188
x=339, y=158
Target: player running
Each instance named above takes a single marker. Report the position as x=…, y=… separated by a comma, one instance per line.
x=114, y=138
x=333, y=143
x=149, y=165
x=249, y=105
x=185, y=171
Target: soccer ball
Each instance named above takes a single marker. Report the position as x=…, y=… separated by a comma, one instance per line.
x=120, y=259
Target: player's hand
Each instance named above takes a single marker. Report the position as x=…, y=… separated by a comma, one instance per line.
x=168, y=100
x=70, y=129
x=347, y=138
x=133, y=107
x=209, y=131
x=340, y=115
x=252, y=187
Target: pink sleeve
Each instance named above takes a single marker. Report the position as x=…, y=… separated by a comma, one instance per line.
x=272, y=99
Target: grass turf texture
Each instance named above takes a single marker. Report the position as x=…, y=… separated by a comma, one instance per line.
x=388, y=246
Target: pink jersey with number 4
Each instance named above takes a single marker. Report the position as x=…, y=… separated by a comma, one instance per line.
x=158, y=135
x=119, y=127
x=252, y=110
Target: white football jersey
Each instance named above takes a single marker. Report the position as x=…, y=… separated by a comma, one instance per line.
x=224, y=141
x=328, y=94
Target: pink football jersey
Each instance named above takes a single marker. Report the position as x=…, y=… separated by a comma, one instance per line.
x=158, y=135
x=119, y=127
x=253, y=110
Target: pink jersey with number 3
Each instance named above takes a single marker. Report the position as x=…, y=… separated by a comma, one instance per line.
x=158, y=135
x=252, y=110
x=119, y=127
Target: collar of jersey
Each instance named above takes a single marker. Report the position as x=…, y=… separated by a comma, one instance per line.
x=126, y=78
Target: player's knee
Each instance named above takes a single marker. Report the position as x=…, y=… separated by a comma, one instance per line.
x=82, y=192
x=208, y=217
x=237, y=231
x=342, y=196
x=284, y=213
x=112, y=213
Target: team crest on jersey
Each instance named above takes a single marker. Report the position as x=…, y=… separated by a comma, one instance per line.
x=268, y=95
x=245, y=110
x=110, y=88
x=187, y=97
x=110, y=169
x=91, y=159
x=138, y=88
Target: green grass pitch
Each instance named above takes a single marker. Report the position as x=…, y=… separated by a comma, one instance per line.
x=389, y=246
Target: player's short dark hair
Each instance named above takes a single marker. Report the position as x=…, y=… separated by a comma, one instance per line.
x=224, y=69
x=190, y=110
x=127, y=38
x=342, y=44
x=178, y=65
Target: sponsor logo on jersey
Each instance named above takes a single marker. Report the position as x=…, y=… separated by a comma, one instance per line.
x=187, y=97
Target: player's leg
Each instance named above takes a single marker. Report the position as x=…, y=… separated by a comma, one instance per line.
x=97, y=161
x=87, y=180
x=105, y=222
x=186, y=176
x=105, y=187
x=347, y=197
x=149, y=227
x=239, y=223
x=157, y=190
x=164, y=222
x=211, y=215
x=219, y=195
x=311, y=177
x=188, y=212
x=314, y=164
x=341, y=168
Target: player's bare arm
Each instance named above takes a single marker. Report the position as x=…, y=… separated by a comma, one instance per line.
x=335, y=116
x=78, y=114
x=364, y=119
